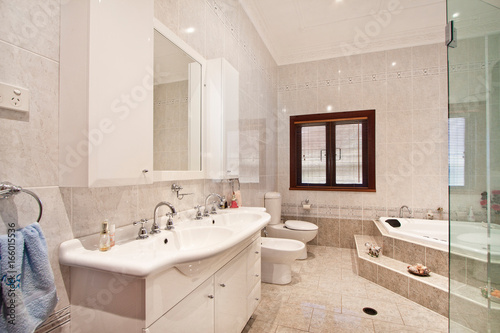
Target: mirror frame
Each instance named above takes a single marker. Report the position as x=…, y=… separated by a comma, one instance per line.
x=164, y=175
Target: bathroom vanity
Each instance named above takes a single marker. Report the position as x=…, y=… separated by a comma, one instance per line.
x=204, y=276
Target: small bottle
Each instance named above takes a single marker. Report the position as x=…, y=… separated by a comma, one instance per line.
x=471, y=216
x=104, y=237
x=111, y=235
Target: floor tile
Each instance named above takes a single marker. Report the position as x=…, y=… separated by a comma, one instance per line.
x=258, y=326
x=326, y=321
x=283, y=329
x=418, y=316
x=327, y=295
x=386, y=311
x=317, y=299
x=298, y=317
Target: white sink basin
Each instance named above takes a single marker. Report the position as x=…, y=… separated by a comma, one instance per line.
x=201, y=237
x=189, y=247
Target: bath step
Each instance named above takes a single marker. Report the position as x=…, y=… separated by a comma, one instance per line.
x=429, y=291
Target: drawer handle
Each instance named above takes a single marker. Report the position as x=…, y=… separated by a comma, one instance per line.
x=256, y=298
x=256, y=252
x=211, y=296
x=222, y=285
x=256, y=275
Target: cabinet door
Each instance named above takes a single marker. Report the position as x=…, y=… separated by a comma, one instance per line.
x=195, y=313
x=231, y=296
x=106, y=93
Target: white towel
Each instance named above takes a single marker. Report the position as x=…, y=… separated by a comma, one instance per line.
x=27, y=283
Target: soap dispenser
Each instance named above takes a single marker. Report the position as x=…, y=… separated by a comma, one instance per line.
x=104, y=239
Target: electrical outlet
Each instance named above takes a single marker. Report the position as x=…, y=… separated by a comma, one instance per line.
x=14, y=98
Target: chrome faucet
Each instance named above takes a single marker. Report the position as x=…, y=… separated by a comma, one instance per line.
x=401, y=211
x=213, y=210
x=155, y=228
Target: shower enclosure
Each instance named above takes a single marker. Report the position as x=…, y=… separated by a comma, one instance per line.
x=474, y=164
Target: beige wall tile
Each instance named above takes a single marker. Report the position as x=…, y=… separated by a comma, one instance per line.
x=33, y=26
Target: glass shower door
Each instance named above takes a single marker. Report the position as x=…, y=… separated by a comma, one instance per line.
x=474, y=165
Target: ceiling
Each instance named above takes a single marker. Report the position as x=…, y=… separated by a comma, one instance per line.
x=305, y=30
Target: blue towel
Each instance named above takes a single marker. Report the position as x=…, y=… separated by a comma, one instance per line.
x=27, y=282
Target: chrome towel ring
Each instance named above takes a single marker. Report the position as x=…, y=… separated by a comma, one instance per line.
x=7, y=190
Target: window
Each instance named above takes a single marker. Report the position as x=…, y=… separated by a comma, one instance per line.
x=333, y=151
x=456, y=151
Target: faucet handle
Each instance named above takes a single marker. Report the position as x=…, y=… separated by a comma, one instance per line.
x=143, y=233
x=170, y=221
x=199, y=215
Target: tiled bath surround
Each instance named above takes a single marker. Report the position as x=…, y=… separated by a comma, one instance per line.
x=29, y=49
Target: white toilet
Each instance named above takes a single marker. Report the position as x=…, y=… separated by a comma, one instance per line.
x=291, y=229
x=278, y=254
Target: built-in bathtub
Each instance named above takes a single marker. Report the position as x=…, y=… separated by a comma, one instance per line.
x=426, y=232
x=468, y=238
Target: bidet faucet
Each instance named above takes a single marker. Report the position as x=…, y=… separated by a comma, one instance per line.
x=401, y=211
x=155, y=228
x=213, y=210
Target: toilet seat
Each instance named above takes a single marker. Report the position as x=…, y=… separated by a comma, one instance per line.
x=300, y=225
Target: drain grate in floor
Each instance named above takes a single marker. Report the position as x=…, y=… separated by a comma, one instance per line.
x=370, y=311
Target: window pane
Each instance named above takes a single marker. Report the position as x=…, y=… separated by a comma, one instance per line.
x=313, y=153
x=349, y=153
x=456, y=151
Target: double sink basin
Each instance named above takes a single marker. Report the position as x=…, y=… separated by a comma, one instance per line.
x=189, y=247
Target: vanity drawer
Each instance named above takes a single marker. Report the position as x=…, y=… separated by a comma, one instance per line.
x=253, y=300
x=253, y=276
x=254, y=253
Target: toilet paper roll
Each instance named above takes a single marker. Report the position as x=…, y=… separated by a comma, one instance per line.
x=306, y=207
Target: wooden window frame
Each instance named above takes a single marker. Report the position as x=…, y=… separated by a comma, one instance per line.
x=296, y=122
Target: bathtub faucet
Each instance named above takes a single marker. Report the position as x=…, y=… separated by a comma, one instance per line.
x=401, y=211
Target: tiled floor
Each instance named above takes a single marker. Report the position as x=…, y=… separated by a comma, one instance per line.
x=326, y=295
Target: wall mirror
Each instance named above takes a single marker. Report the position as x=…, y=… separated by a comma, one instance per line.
x=178, y=108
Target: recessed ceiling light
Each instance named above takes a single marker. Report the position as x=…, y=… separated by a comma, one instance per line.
x=189, y=30
x=393, y=63
x=329, y=108
x=455, y=15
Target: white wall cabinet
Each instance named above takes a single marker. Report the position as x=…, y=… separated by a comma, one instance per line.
x=106, y=93
x=222, y=120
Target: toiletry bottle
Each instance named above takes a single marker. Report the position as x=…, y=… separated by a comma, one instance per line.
x=234, y=204
x=223, y=203
x=104, y=237
x=112, y=235
x=471, y=216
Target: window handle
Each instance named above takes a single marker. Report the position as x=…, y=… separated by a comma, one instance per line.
x=339, y=154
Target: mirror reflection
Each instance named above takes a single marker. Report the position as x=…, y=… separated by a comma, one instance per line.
x=177, y=108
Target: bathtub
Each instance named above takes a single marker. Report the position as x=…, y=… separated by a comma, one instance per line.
x=426, y=232
x=467, y=238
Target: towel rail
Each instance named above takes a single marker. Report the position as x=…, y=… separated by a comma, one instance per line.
x=7, y=190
